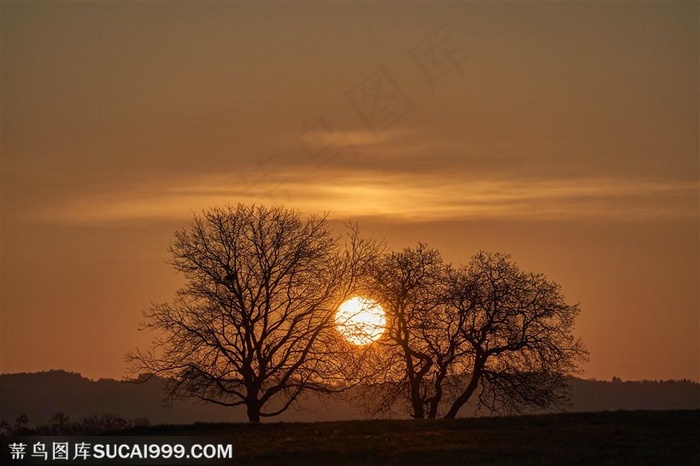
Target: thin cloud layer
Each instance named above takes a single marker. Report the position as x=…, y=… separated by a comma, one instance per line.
x=410, y=198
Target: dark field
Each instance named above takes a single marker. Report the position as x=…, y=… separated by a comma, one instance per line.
x=609, y=438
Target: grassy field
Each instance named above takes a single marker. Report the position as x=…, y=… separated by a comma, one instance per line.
x=606, y=438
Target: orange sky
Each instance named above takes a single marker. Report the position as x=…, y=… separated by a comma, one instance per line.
x=563, y=134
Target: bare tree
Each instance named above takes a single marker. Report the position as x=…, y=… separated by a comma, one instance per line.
x=253, y=325
x=517, y=328
x=488, y=329
x=422, y=338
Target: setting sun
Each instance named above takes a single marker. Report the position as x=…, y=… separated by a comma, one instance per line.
x=360, y=320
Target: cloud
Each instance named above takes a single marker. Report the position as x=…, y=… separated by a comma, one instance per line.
x=414, y=197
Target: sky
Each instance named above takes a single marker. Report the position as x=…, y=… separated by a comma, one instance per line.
x=564, y=134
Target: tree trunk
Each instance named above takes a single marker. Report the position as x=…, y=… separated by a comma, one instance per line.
x=253, y=411
x=435, y=402
x=414, y=381
x=464, y=397
x=417, y=402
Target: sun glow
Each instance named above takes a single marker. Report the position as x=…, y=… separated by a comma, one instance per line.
x=360, y=321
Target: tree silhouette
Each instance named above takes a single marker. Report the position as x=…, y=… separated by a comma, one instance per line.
x=421, y=340
x=253, y=325
x=487, y=329
x=517, y=329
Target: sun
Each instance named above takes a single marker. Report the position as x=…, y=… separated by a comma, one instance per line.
x=360, y=320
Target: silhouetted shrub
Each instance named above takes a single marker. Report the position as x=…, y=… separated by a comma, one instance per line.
x=60, y=424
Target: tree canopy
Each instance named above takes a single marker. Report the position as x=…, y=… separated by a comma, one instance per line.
x=487, y=329
x=253, y=325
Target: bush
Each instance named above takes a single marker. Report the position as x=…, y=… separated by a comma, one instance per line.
x=60, y=424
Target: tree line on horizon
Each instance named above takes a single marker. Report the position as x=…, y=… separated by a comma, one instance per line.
x=39, y=395
x=254, y=325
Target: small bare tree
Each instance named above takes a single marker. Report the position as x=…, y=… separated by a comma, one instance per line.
x=488, y=329
x=422, y=339
x=517, y=330
x=253, y=325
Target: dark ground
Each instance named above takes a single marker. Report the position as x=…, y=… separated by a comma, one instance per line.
x=604, y=438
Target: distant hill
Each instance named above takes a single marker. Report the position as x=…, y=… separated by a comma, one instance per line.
x=596, y=395
x=38, y=395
